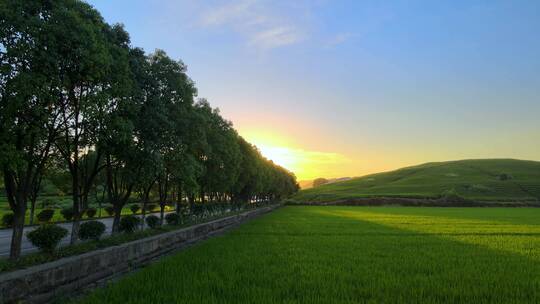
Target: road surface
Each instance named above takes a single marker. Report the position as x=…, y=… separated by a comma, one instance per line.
x=27, y=247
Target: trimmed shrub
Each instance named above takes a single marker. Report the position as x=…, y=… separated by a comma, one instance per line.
x=8, y=219
x=151, y=207
x=47, y=202
x=91, y=230
x=172, y=219
x=67, y=213
x=45, y=215
x=152, y=221
x=47, y=237
x=91, y=212
x=134, y=208
x=109, y=210
x=197, y=210
x=129, y=223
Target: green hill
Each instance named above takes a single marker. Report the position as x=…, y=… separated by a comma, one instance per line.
x=486, y=180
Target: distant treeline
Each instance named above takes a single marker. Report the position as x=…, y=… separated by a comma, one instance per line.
x=77, y=97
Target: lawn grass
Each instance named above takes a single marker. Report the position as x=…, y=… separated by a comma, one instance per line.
x=477, y=180
x=315, y=254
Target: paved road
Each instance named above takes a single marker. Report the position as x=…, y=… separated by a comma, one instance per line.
x=27, y=247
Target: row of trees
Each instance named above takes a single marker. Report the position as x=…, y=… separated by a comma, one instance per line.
x=74, y=93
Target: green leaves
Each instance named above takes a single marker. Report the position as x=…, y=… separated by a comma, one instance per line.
x=72, y=85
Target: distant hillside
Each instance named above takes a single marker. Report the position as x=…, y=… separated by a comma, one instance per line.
x=306, y=184
x=485, y=180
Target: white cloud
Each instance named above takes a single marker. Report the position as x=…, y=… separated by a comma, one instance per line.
x=338, y=39
x=276, y=37
x=256, y=21
x=230, y=12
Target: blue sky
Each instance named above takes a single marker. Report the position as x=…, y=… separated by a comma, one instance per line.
x=353, y=87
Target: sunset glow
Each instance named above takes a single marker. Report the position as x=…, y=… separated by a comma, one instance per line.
x=383, y=88
x=305, y=164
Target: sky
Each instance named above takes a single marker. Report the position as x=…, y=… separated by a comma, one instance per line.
x=346, y=88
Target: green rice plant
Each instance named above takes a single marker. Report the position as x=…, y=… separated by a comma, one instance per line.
x=308, y=254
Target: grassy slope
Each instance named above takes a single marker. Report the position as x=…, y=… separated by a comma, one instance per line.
x=472, y=179
x=352, y=255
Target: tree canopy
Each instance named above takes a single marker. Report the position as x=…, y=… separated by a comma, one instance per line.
x=78, y=100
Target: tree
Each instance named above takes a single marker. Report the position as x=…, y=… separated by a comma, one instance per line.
x=115, y=119
x=92, y=66
x=247, y=184
x=221, y=156
x=28, y=115
x=171, y=98
x=124, y=152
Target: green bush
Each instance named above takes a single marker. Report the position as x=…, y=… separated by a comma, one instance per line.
x=172, y=219
x=45, y=215
x=8, y=219
x=129, y=223
x=152, y=221
x=47, y=202
x=151, y=207
x=91, y=212
x=47, y=237
x=135, y=208
x=91, y=230
x=68, y=213
x=109, y=210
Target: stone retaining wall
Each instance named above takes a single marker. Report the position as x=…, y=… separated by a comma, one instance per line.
x=40, y=283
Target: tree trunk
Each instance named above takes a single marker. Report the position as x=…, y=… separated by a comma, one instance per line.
x=202, y=196
x=191, y=199
x=179, y=199
x=116, y=219
x=145, y=198
x=84, y=202
x=32, y=210
x=161, y=212
x=18, y=228
x=76, y=206
x=143, y=216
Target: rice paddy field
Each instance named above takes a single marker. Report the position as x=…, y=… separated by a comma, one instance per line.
x=323, y=254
